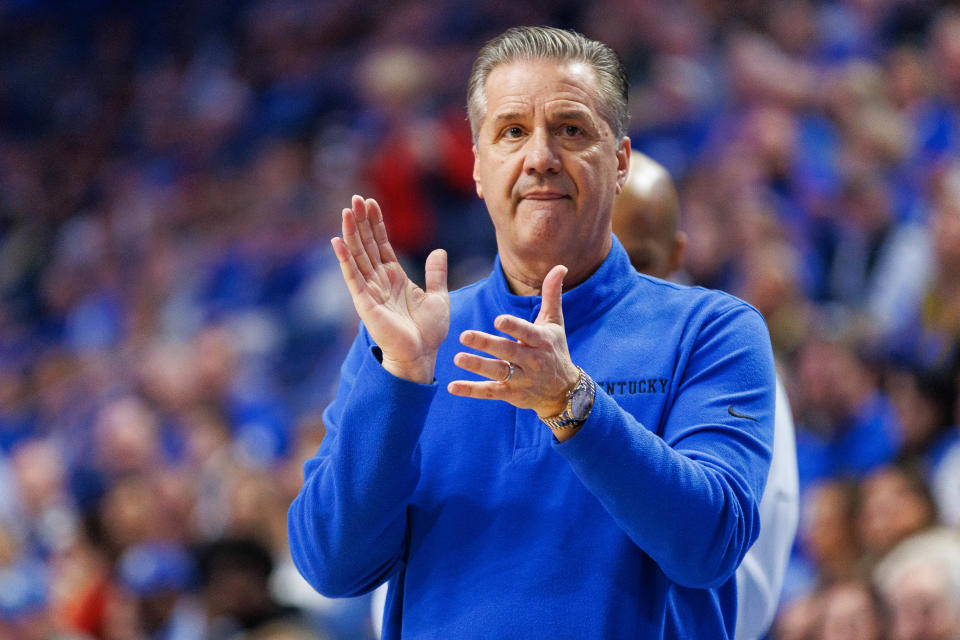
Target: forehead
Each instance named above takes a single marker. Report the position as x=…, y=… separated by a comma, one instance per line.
x=526, y=85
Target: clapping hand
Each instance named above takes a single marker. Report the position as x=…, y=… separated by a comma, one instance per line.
x=407, y=323
x=531, y=371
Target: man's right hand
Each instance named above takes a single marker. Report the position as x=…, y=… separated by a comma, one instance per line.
x=407, y=322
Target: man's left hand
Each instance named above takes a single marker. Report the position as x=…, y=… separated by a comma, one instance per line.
x=543, y=372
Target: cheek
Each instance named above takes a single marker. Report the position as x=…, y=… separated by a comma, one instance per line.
x=598, y=172
x=497, y=175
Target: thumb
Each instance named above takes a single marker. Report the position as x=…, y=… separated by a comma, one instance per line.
x=551, y=292
x=435, y=275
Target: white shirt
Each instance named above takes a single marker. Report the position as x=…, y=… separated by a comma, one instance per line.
x=760, y=576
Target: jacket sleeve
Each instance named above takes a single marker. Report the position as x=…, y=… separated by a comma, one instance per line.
x=347, y=525
x=686, y=491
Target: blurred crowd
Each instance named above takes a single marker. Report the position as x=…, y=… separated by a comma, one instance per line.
x=172, y=318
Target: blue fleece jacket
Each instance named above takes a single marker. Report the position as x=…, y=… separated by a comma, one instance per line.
x=488, y=527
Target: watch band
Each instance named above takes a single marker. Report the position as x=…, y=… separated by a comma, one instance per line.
x=565, y=419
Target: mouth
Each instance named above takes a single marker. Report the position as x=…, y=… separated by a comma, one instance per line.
x=545, y=195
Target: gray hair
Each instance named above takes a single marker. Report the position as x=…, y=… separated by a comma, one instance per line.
x=530, y=43
x=936, y=550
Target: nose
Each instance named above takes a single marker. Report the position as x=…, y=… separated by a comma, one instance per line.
x=541, y=155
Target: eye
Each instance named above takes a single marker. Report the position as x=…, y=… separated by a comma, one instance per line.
x=571, y=130
x=512, y=132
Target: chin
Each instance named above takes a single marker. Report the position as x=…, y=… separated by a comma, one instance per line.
x=536, y=223
x=544, y=248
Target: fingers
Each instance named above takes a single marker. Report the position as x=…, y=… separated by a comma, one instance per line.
x=356, y=283
x=495, y=369
x=354, y=242
x=520, y=329
x=551, y=292
x=486, y=390
x=362, y=210
x=435, y=272
x=496, y=346
x=541, y=365
x=366, y=235
x=551, y=310
x=379, y=230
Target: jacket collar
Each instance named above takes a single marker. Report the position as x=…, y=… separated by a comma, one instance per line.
x=581, y=304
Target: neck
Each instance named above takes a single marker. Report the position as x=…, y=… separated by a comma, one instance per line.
x=525, y=277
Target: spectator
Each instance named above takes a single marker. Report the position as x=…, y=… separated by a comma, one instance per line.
x=850, y=610
x=928, y=337
x=920, y=580
x=846, y=425
x=153, y=597
x=233, y=589
x=895, y=503
x=827, y=531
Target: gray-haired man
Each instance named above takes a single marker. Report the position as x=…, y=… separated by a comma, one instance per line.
x=566, y=448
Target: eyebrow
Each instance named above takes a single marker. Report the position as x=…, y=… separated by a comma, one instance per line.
x=507, y=117
x=574, y=114
x=566, y=114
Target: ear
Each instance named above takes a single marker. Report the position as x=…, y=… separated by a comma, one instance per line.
x=623, y=162
x=476, y=172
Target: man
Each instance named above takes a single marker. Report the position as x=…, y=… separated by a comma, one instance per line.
x=565, y=448
x=646, y=219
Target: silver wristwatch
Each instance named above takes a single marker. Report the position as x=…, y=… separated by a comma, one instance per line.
x=579, y=404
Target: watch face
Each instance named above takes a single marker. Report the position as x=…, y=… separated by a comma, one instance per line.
x=580, y=402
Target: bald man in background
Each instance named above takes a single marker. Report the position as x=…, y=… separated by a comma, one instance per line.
x=646, y=219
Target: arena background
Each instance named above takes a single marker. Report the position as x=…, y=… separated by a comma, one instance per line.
x=173, y=319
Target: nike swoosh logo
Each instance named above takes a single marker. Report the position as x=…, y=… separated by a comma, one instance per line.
x=740, y=415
